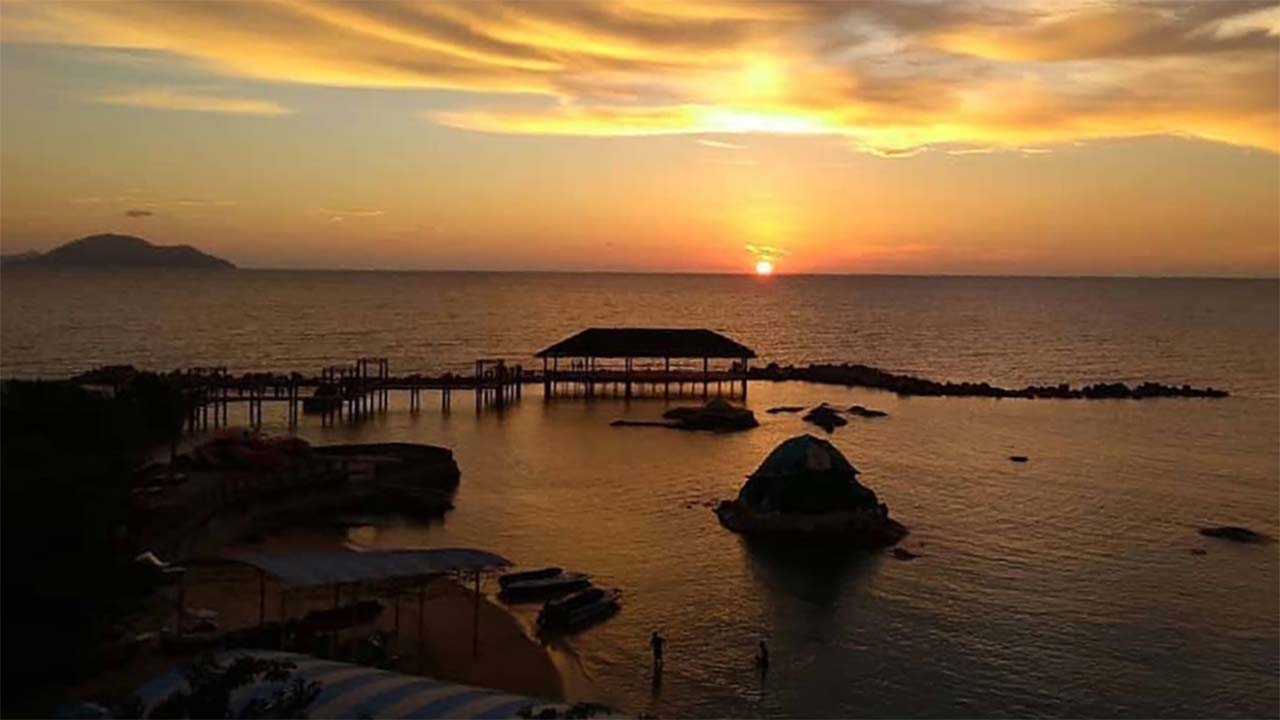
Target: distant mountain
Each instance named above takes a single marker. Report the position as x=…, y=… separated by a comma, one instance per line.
x=111, y=250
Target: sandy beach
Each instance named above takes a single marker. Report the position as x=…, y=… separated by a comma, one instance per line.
x=505, y=658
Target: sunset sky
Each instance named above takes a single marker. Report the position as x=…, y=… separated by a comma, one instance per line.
x=886, y=137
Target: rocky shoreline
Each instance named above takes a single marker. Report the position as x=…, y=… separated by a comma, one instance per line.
x=854, y=375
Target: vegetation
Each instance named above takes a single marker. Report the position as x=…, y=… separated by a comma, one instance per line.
x=67, y=456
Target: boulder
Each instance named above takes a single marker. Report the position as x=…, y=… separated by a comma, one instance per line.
x=785, y=409
x=1018, y=458
x=715, y=415
x=807, y=488
x=858, y=528
x=825, y=417
x=867, y=412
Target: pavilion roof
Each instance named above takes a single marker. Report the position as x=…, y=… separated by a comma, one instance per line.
x=346, y=566
x=648, y=343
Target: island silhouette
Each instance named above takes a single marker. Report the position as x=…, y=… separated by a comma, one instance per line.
x=113, y=250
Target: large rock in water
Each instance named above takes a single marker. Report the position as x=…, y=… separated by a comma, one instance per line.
x=715, y=415
x=807, y=488
x=825, y=417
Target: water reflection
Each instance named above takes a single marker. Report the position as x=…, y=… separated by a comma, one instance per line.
x=814, y=572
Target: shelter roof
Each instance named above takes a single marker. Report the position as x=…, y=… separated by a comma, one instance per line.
x=648, y=342
x=327, y=568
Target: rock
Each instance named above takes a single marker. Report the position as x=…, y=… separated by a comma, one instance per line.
x=1018, y=458
x=866, y=412
x=904, y=554
x=1198, y=551
x=825, y=417
x=807, y=490
x=1234, y=533
x=854, y=375
x=716, y=415
x=859, y=528
x=785, y=409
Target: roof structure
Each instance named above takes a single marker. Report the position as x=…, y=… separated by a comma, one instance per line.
x=648, y=343
x=349, y=691
x=327, y=568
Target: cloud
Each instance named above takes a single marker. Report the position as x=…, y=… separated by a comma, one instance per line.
x=1127, y=30
x=766, y=252
x=159, y=98
x=343, y=215
x=890, y=77
x=138, y=213
x=720, y=144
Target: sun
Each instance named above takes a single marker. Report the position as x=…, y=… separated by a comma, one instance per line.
x=764, y=267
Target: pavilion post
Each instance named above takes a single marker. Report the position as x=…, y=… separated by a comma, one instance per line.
x=666, y=378
x=746, y=364
x=546, y=379
x=705, y=378
x=475, y=618
x=262, y=598
x=182, y=594
x=422, y=632
x=628, y=379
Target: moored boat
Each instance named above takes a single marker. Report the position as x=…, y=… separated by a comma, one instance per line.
x=544, y=586
x=578, y=610
x=541, y=573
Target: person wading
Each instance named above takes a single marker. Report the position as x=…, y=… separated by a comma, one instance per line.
x=657, y=643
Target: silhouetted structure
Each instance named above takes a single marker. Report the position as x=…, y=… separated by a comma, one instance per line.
x=593, y=356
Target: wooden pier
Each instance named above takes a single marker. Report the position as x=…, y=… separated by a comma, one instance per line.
x=339, y=392
x=598, y=362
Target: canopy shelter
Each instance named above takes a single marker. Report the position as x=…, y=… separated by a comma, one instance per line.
x=410, y=569
x=586, y=349
x=348, y=691
x=806, y=474
x=328, y=568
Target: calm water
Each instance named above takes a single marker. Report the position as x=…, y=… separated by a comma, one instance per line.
x=1064, y=586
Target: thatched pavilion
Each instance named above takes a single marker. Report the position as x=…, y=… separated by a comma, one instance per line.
x=639, y=359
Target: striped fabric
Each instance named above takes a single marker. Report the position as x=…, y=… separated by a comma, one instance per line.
x=349, y=691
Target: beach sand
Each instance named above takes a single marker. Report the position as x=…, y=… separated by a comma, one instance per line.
x=505, y=657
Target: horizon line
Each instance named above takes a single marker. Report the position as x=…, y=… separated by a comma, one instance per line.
x=748, y=274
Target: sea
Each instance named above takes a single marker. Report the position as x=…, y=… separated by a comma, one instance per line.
x=1075, y=584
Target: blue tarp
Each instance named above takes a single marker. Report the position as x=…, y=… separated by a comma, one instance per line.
x=349, y=691
x=327, y=568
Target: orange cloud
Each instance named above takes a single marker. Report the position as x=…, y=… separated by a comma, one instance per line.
x=892, y=78
x=160, y=98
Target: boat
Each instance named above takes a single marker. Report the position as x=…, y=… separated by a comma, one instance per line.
x=579, y=609
x=514, y=577
x=545, y=586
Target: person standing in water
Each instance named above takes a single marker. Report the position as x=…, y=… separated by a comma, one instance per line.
x=656, y=643
x=762, y=659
